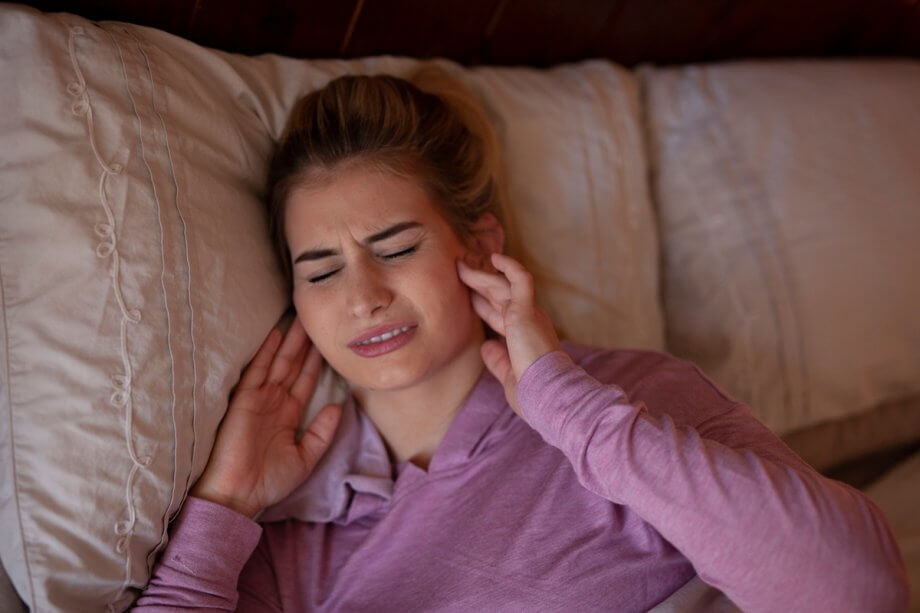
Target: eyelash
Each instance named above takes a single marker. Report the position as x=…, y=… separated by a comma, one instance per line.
x=391, y=256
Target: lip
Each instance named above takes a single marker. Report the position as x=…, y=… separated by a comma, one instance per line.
x=391, y=344
x=378, y=330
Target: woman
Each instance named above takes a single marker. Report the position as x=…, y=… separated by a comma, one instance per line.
x=613, y=478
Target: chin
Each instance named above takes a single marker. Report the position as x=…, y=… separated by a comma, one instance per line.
x=391, y=379
x=380, y=374
x=405, y=367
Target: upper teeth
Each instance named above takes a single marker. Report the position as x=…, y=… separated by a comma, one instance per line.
x=384, y=336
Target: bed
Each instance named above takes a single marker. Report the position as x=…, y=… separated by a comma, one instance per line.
x=734, y=183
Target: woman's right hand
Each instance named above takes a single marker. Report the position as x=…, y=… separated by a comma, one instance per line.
x=256, y=460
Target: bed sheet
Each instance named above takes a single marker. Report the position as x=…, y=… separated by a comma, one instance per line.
x=897, y=492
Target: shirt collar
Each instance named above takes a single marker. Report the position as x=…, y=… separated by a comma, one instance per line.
x=476, y=424
x=355, y=477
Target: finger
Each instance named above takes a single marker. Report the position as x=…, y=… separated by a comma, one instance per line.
x=520, y=278
x=476, y=275
x=495, y=357
x=271, y=400
x=319, y=434
x=495, y=287
x=254, y=374
x=295, y=367
x=293, y=341
x=489, y=314
x=305, y=383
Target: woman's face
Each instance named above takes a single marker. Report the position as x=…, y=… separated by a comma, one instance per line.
x=372, y=257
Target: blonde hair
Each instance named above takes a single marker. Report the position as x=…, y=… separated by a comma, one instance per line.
x=430, y=128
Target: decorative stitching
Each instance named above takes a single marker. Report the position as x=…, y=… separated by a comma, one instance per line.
x=154, y=110
x=162, y=233
x=188, y=264
x=107, y=248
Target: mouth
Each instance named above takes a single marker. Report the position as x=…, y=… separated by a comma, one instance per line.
x=383, y=339
x=382, y=332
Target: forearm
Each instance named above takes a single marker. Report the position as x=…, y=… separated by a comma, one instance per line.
x=772, y=535
x=201, y=565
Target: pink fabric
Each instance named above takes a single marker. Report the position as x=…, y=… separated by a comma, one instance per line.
x=615, y=497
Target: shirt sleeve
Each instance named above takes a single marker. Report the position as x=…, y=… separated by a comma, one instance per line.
x=214, y=561
x=754, y=519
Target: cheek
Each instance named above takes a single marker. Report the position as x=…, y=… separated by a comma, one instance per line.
x=313, y=320
x=444, y=289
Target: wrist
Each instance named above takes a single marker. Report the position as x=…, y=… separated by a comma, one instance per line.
x=539, y=383
x=241, y=507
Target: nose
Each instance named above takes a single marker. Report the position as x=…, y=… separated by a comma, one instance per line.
x=368, y=291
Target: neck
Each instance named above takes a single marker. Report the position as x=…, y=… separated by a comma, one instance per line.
x=414, y=420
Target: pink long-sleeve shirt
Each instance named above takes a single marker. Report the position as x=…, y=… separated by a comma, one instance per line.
x=630, y=473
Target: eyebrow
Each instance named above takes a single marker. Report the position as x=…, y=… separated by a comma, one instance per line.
x=318, y=254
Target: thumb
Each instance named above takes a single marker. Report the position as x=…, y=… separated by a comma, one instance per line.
x=319, y=434
x=496, y=358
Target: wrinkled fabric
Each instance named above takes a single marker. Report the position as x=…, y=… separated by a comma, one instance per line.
x=631, y=474
x=137, y=275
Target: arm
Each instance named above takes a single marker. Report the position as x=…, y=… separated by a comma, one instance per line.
x=256, y=461
x=203, y=569
x=754, y=519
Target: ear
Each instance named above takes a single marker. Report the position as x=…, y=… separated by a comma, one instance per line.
x=488, y=236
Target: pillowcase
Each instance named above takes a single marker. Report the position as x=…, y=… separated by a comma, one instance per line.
x=136, y=282
x=137, y=277
x=787, y=200
x=573, y=148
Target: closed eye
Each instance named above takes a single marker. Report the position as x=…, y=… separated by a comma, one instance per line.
x=388, y=256
x=399, y=254
x=322, y=277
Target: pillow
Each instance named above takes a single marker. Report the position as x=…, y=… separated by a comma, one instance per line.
x=575, y=159
x=137, y=279
x=787, y=198
x=573, y=148
x=136, y=282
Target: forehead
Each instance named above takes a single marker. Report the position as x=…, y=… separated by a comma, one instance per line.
x=361, y=199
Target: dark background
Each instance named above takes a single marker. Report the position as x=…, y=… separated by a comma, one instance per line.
x=534, y=32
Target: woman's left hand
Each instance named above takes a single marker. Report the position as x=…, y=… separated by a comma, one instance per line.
x=505, y=301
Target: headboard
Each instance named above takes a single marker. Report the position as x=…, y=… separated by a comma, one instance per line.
x=531, y=32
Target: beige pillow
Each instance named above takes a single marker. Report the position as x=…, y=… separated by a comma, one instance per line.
x=788, y=198
x=136, y=282
x=574, y=153
x=137, y=277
